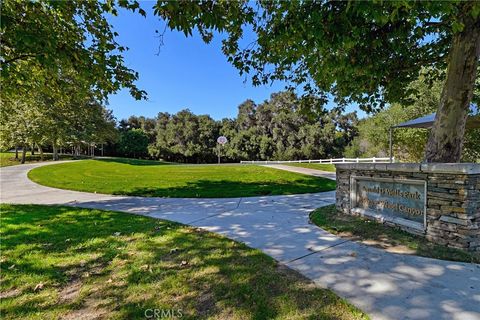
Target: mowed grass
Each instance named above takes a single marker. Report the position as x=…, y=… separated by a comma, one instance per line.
x=156, y=179
x=72, y=263
x=376, y=234
x=317, y=166
x=8, y=158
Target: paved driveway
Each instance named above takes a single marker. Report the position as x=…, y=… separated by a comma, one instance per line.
x=302, y=170
x=385, y=285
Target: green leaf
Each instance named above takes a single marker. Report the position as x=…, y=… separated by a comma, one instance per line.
x=475, y=12
x=457, y=26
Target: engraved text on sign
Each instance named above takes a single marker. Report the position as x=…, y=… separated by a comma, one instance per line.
x=392, y=199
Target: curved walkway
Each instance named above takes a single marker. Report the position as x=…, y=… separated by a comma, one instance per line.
x=302, y=170
x=385, y=285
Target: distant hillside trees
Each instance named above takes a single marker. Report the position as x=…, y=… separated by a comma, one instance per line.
x=185, y=137
x=277, y=129
x=141, y=122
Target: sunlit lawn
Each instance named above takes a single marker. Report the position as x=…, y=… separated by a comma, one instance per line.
x=153, y=178
x=317, y=166
x=71, y=263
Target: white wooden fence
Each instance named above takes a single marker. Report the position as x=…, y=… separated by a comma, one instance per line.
x=331, y=160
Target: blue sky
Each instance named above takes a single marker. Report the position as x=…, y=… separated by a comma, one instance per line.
x=187, y=73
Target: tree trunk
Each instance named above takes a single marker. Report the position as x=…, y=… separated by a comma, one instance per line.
x=55, y=152
x=40, y=150
x=24, y=153
x=32, y=149
x=446, y=137
x=16, y=152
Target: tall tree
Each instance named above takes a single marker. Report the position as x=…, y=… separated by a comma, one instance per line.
x=134, y=143
x=186, y=137
x=280, y=129
x=144, y=123
x=359, y=51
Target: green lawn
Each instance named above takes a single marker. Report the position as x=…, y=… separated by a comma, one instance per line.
x=153, y=178
x=8, y=158
x=317, y=166
x=72, y=263
x=391, y=239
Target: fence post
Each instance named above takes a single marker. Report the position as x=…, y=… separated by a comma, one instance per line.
x=374, y=159
x=343, y=159
x=357, y=160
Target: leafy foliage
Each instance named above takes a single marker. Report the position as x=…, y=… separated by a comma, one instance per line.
x=361, y=51
x=133, y=143
x=409, y=143
x=365, y=52
x=54, y=36
x=277, y=129
x=60, y=61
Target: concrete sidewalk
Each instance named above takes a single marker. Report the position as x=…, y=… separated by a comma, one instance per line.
x=307, y=171
x=385, y=285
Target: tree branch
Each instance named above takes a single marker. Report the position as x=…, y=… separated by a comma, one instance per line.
x=20, y=57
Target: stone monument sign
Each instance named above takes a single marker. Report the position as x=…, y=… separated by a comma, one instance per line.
x=396, y=200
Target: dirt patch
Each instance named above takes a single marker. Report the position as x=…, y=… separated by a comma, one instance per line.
x=70, y=292
x=389, y=247
x=90, y=310
x=381, y=243
x=205, y=304
x=10, y=293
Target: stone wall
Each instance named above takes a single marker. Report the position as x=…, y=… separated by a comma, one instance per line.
x=452, y=200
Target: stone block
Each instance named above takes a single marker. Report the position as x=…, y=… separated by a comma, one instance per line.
x=436, y=201
x=442, y=195
x=454, y=168
x=454, y=220
x=448, y=209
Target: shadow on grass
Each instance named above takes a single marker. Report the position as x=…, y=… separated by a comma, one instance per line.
x=232, y=189
x=134, y=162
x=127, y=264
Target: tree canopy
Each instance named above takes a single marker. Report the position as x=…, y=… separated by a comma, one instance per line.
x=409, y=143
x=277, y=129
x=364, y=52
x=133, y=143
x=43, y=40
x=59, y=62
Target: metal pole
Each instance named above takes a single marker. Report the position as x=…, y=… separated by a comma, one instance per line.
x=391, y=144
